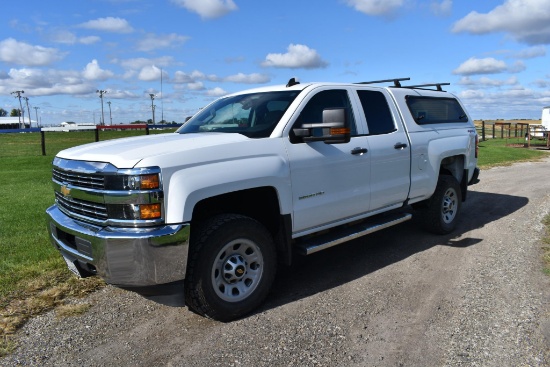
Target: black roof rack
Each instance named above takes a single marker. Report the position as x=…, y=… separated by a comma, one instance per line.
x=397, y=84
x=425, y=86
x=396, y=81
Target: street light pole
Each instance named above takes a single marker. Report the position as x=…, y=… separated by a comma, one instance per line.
x=152, y=106
x=101, y=93
x=110, y=115
x=36, y=111
x=18, y=95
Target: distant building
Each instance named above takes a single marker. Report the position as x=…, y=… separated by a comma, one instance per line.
x=74, y=124
x=13, y=123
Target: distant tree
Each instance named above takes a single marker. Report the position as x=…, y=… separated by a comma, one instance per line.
x=3, y=112
x=15, y=112
x=150, y=121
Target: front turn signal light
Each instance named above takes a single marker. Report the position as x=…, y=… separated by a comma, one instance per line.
x=149, y=211
x=149, y=182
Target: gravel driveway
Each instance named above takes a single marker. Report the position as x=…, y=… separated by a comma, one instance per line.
x=400, y=297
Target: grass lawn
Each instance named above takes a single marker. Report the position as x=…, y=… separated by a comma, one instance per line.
x=33, y=276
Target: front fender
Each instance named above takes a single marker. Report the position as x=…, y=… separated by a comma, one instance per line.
x=186, y=187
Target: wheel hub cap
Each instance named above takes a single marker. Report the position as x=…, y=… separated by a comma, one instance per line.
x=238, y=270
x=234, y=269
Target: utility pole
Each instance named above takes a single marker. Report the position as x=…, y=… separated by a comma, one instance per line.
x=161, y=100
x=36, y=111
x=18, y=95
x=152, y=106
x=110, y=115
x=29, y=112
x=101, y=93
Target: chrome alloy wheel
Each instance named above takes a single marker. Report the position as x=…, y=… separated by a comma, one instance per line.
x=237, y=270
x=449, y=206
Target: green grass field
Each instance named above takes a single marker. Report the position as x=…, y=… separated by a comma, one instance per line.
x=30, y=268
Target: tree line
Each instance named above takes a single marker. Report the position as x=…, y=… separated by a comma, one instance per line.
x=15, y=112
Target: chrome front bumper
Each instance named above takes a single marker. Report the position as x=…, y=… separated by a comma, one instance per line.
x=126, y=257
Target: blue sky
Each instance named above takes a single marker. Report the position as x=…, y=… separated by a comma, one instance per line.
x=493, y=52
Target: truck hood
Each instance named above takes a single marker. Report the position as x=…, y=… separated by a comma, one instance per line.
x=127, y=152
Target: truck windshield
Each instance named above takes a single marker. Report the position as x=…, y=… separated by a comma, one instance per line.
x=254, y=115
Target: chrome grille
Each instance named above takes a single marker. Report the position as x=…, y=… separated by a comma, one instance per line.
x=88, y=209
x=80, y=179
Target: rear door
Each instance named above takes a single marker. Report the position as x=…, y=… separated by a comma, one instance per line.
x=389, y=149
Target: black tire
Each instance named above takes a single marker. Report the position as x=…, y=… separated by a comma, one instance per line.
x=232, y=264
x=441, y=212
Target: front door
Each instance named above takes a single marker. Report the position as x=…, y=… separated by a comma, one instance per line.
x=330, y=182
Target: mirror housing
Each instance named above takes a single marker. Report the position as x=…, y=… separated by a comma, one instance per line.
x=335, y=128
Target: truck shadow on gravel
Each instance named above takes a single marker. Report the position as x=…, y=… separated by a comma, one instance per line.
x=339, y=265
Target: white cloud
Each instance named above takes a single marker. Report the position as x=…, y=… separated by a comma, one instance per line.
x=196, y=86
x=376, y=7
x=64, y=36
x=93, y=71
x=297, y=56
x=216, y=92
x=474, y=66
x=182, y=77
x=141, y=62
x=89, y=40
x=20, y=53
x=208, y=9
x=254, y=78
x=149, y=73
x=152, y=41
x=527, y=21
x=531, y=52
x=485, y=82
x=69, y=38
x=442, y=8
x=109, y=24
x=37, y=82
x=121, y=94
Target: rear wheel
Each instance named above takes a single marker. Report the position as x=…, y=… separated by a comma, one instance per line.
x=232, y=264
x=440, y=214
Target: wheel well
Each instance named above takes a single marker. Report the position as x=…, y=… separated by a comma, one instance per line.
x=259, y=203
x=454, y=166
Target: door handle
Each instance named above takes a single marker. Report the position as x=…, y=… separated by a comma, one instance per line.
x=400, y=146
x=359, y=151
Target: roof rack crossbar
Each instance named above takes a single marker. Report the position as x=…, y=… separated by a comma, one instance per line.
x=396, y=81
x=423, y=86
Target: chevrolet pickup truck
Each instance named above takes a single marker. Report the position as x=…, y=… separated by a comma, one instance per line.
x=204, y=215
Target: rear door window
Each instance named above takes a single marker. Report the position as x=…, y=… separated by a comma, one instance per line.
x=377, y=112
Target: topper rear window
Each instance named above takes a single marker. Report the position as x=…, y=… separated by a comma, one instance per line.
x=435, y=110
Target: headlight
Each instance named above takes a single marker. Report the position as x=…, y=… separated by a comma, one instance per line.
x=150, y=181
x=143, y=182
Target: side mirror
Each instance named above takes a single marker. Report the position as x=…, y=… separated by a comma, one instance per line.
x=334, y=128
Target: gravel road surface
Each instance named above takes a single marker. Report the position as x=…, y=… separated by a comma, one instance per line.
x=400, y=297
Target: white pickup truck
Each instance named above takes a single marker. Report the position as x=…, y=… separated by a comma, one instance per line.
x=256, y=178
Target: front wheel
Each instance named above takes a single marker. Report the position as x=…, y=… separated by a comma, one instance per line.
x=232, y=264
x=440, y=214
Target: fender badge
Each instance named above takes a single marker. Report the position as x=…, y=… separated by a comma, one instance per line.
x=65, y=190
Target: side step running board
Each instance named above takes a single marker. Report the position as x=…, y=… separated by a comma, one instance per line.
x=336, y=237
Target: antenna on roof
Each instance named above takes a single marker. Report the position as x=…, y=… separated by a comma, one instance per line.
x=291, y=82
